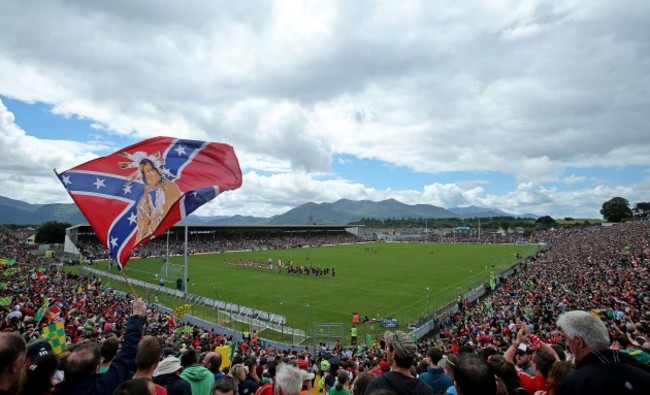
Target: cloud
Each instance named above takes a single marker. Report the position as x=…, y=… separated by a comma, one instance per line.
x=519, y=88
x=27, y=163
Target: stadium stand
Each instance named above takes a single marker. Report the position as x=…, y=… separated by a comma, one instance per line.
x=600, y=270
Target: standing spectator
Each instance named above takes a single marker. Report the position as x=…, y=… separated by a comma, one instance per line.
x=200, y=378
x=435, y=376
x=506, y=375
x=542, y=360
x=307, y=377
x=224, y=385
x=37, y=350
x=139, y=386
x=288, y=380
x=12, y=361
x=245, y=385
x=559, y=370
x=39, y=375
x=147, y=359
x=599, y=370
x=341, y=381
x=212, y=362
x=522, y=359
x=83, y=362
x=473, y=376
x=400, y=351
x=107, y=351
x=168, y=374
x=361, y=382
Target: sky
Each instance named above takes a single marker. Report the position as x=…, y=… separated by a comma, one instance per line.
x=524, y=106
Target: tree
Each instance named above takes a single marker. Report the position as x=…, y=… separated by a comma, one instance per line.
x=642, y=210
x=546, y=221
x=616, y=209
x=51, y=232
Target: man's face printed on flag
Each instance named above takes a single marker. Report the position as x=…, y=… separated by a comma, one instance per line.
x=150, y=175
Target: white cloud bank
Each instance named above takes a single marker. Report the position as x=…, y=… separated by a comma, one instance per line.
x=522, y=89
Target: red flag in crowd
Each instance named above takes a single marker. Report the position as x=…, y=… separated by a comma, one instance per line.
x=140, y=191
x=53, y=313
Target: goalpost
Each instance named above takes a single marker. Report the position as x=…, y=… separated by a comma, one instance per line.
x=170, y=272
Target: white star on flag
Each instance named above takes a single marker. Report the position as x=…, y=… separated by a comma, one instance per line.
x=127, y=189
x=180, y=150
x=113, y=241
x=66, y=180
x=99, y=183
x=132, y=218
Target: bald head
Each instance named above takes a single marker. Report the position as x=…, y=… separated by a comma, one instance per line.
x=212, y=361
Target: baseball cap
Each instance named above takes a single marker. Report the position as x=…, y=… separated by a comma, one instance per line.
x=401, y=343
x=38, y=349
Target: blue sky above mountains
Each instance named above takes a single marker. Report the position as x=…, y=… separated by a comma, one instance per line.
x=528, y=107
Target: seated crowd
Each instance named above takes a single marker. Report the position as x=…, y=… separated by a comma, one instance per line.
x=203, y=243
x=573, y=319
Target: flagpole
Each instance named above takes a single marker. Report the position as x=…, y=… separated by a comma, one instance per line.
x=128, y=283
x=167, y=257
x=185, y=279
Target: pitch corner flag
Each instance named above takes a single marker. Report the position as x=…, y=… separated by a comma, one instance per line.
x=140, y=191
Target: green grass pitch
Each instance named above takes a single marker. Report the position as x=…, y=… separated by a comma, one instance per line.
x=390, y=282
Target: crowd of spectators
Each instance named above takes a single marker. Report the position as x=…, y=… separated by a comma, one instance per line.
x=573, y=319
x=211, y=242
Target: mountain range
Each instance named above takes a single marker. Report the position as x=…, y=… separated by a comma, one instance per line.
x=340, y=212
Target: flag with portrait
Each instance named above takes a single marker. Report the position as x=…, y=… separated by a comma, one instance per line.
x=138, y=192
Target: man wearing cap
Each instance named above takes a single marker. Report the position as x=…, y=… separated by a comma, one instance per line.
x=168, y=374
x=400, y=353
x=37, y=350
x=330, y=377
x=522, y=358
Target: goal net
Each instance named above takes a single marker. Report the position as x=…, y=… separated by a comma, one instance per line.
x=170, y=272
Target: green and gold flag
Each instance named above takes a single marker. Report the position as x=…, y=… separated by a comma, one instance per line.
x=180, y=311
x=5, y=301
x=55, y=334
x=39, y=314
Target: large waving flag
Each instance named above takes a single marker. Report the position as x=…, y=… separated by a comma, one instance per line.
x=138, y=192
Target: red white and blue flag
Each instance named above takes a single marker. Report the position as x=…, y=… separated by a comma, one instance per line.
x=138, y=192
